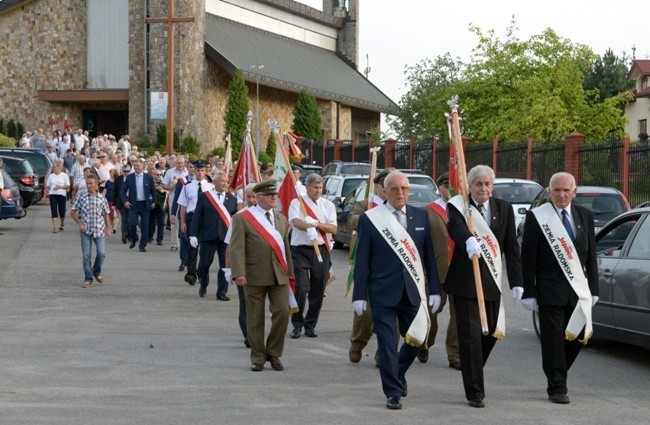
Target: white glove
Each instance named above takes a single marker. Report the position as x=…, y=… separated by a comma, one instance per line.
x=434, y=303
x=530, y=304
x=311, y=221
x=312, y=234
x=194, y=242
x=594, y=300
x=228, y=274
x=359, y=306
x=517, y=292
x=472, y=248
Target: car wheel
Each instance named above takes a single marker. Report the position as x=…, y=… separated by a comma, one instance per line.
x=338, y=245
x=536, y=324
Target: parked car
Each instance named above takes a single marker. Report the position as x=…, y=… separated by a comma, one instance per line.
x=605, y=203
x=346, y=168
x=519, y=192
x=308, y=169
x=419, y=196
x=337, y=187
x=422, y=180
x=40, y=162
x=23, y=174
x=11, y=205
x=623, y=251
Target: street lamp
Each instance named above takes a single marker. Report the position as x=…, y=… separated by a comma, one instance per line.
x=257, y=69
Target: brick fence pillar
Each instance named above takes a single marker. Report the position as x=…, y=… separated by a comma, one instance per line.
x=337, y=149
x=495, y=151
x=434, y=159
x=572, y=160
x=389, y=146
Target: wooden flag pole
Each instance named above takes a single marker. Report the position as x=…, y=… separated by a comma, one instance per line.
x=464, y=189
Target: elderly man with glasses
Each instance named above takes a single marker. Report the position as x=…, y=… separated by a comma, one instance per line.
x=119, y=204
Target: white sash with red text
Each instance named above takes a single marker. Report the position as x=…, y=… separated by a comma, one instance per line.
x=314, y=211
x=270, y=234
x=399, y=240
x=567, y=257
x=491, y=254
x=218, y=206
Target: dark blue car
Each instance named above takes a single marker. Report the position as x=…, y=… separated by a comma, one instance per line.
x=11, y=205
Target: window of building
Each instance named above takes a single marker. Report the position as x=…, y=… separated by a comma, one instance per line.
x=643, y=127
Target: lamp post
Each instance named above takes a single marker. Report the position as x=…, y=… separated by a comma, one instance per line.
x=257, y=69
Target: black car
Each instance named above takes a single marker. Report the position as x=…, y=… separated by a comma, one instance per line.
x=11, y=206
x=23, y=174
x=623, y=253
x=40, y=162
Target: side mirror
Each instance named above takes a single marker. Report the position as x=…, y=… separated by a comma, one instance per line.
x=337, y=202
x=522, y=210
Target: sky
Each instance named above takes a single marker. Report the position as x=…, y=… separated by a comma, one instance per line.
x=395, y=34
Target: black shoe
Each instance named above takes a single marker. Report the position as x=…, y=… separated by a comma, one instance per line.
x=393, y=403
x=133, y=242
x=124, y=239
x=405, y=387
x=256, y=367
x=423, y=355
x=559, y=398
x=276, y=364
x=247, y=343
x=159, y=243
x=190, y=278
x=181, y=268
x=476, y=402
x=223, y=297
x=295, y=333
x=311, y=333
x=143, y=249
x=202, y=291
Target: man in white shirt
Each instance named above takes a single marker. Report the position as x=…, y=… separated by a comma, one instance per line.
x=169, y=184
x=311, y=274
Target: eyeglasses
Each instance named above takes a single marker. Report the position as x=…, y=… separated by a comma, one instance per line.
x=102, y=157
x=397, y=189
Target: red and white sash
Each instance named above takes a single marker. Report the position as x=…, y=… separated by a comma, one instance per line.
x=270, y=234
x=490, y=252
x=399, y=240
x=314, y=211
x=218, y=206
x=567, y=257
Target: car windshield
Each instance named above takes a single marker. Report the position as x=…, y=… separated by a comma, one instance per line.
x=601, y=203
x=350, y=184
x=423, y=180
x=421, y=196
x=516, y=193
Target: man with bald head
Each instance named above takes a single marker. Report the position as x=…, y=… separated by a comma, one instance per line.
x=561, y=286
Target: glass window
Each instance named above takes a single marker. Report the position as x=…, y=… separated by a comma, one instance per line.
x=330, y=186
x=640, y=247
x=610, y=243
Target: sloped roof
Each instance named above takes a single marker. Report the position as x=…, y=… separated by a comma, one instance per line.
x=639, y=67
x=289, y=64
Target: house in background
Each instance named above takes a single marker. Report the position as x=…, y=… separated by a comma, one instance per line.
x=638, y=111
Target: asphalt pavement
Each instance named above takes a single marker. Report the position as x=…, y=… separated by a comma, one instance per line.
x=143, y=348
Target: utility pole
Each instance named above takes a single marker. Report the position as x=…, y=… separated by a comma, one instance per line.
x=367, y=70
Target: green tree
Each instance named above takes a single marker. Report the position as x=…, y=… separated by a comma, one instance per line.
x=431, y=84
x=270, y=146
x=236, y=111
x=306, y=117
x=2, y=126
x=11, y=129
x=607, y=78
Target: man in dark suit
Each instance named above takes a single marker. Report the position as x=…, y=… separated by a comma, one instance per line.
x=546, y=287
x=382, y=279
x=208, y=230
x=475, y=348
x=139, y=197
x=117, y=198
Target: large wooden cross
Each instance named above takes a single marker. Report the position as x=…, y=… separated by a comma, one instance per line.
x=170, y=20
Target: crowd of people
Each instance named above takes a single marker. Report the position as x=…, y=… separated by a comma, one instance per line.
x=409, y=263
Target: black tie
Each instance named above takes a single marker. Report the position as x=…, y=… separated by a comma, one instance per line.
x=200, y=190
x=479, y=207
x=268, y=217
x=219, y=196
x=567, y=225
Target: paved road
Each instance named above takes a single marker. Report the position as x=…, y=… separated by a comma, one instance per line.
x=143, y=348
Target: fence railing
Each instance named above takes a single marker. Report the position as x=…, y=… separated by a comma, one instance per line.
x=621, y=164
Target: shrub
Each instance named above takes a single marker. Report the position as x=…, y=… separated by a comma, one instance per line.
x=20, y=130
x=7, y=142
x=11, y=129
x=2, y=126
x=218, y=152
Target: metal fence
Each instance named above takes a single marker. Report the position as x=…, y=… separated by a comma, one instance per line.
x=547, y=159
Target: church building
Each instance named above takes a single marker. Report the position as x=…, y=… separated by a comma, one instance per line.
x=99, y=65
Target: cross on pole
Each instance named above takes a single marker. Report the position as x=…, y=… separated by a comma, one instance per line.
x=170, y=20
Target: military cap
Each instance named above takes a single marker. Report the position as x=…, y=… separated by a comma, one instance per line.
x=443, y=180
x=295, y=167
x=379, y=178
x=268, y=186
x=199, y=164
